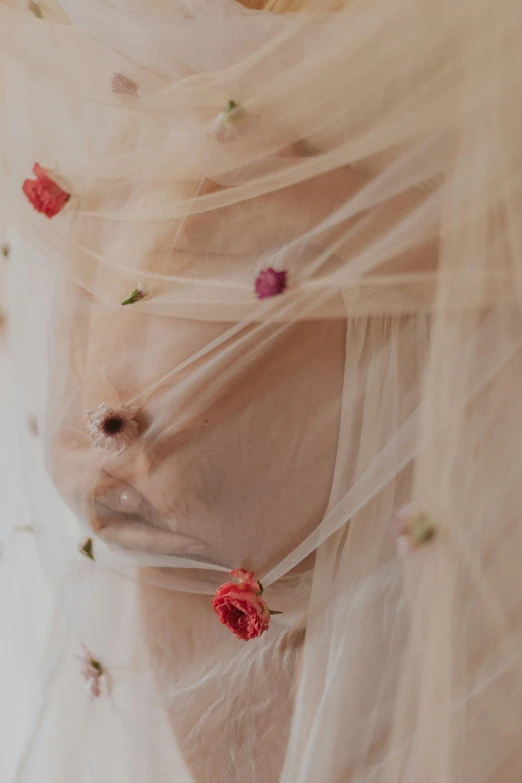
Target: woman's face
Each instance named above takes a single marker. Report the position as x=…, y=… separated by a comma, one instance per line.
x=232, y=465
x=234, y=469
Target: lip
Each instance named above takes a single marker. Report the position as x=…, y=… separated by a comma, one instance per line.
x=146, y=538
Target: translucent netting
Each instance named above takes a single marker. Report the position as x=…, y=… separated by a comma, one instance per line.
x=377, y=161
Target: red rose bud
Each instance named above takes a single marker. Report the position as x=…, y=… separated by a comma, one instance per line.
x=44, y=194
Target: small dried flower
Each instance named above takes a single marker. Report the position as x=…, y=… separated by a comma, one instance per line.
x=412, y=528
x=112, y=429
x=6, y=251
x=44, y=194
x=24, y=528
x=225, y=127
x=32, y=426
x=270, y=282
x=122, y=85
x=240, y=606
x=87, y=549
x=36, y=10
x=136, y=295
x=93, y=673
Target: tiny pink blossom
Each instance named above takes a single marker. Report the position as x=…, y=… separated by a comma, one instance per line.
x=93, y=673
x=229, y=122
x=412, y=529
x=270, y=282
x=92, y=686
x=112, y=429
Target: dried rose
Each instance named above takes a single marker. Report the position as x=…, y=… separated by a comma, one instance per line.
x=270, y=282
x=240, y=606
x=44, y=194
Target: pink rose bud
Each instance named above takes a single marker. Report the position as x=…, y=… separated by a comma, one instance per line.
x=270, y=282
x=44, y=194
x=241, y=608
x=92, y=672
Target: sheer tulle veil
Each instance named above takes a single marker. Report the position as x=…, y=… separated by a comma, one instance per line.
x=284, y=252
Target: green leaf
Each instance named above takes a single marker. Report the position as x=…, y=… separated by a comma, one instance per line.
x=87, y=549
x=134, y=297
x=272, y=611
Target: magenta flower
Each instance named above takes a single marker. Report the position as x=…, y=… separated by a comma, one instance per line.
x=112, y=429
x=270, y=282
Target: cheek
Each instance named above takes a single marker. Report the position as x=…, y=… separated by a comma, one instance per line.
x=251, y=475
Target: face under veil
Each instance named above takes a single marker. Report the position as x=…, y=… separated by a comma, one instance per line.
x=316, y=217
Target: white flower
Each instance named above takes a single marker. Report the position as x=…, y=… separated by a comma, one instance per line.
x=112, y=429
x=226, y=125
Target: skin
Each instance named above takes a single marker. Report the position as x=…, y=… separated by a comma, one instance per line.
x=224, y=471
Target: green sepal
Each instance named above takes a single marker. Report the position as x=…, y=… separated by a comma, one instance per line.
x=87, y=549
x=135, y=296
